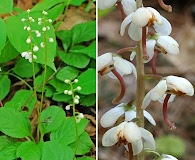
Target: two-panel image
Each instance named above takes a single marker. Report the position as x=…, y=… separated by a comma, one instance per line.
x=97, y=80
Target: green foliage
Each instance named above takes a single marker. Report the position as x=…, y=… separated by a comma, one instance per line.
x=171, y=144
x=32, y=126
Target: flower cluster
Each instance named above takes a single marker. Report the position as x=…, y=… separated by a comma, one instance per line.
x=31, y=39
x=148, y=26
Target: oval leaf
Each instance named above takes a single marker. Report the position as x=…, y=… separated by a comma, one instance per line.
x=4, y=86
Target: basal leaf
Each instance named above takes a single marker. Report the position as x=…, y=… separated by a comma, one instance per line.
x=29, y=150
x=89, y=51
x=52, y=118
x=55, y=11
x=22, y=98
x=87, y=81
x=77, y=60
x=4, y=86
x=6, y=6
x=84, y=144
x=3, y=33
x=8, y=53
x=24, y=69
x=61, y=97
x=9, y=151
x=76, y=2
x=14, y=124
x=85, y=158
x=84, y=32
x=67, y=72
x=52, y=150
x=66, y=134
x=88, y=100
x=47, y=4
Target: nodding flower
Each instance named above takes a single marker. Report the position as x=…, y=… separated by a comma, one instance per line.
x=144, y=17
x=129, y=132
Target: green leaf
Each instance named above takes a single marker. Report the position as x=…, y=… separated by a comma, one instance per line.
x=52, y=150
x=62, y=97
x=5, y=141
x=6, y=6
x=66, y=37
x=67, y=72
x=22, y=98
x=59, y=85
x=29, y=150
x=89, y=51
x=24, y=69
x=85, y=158
x=55, y=11
x=3, y=33
x=66, y=134
x=84, y=32
x=77, y=60
x=9, y=151
x=171, y=144
x=19, y=42
x=8, y=53
x=84, y=144
x=47, y=4
x=52, y=118
x=87, y=81
x=4, y=86
x=76, y=2
x=88, y=100
x=14, y=124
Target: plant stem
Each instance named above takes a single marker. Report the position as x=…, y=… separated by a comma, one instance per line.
x=140, y=85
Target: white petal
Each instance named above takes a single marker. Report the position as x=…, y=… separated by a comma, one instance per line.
x=124, y=24
x=104, y=60
x=111, y=116
x=156, y=14
x=129, y=6
x=132, y=55
x=168, y=157
x=149, y=118
x=180, y=84
x=129, y=115
x=150, y=49
x=133, y=69
x=102, y=4
x=161, y=100
x=148, y=138
x=137, y=147
x=123, y=66
x=156, y=93
x=165, y=28
x=169, y=44
x=135, y=32
x=131, y=132
x=141, y=17
x=107, y=140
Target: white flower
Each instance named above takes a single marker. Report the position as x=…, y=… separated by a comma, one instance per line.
x=109, y=61
x=51, y=40
x=49, y=20
x=23, y=19
x=145, y=16
x=129, y=132
x=28, y=28
x=42, y=44
x=169, y=85
x=129, y=6
x=35, y=48
x=28, y=10
x=44, y=13
x=78, y=88
x=111, y=116
x=167, y=157
x=104, y=4
x=44, y=29
x=165, y=44
x=28, y=55
x=28, y=40
x=76, y=101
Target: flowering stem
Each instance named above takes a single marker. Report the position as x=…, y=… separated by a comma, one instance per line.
x=121, y=80
x=164, y=6
x=145, y=55
x=121, y=10
x=166, y=119
x=140, y=84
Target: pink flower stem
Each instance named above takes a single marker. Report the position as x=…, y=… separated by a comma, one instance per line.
x=126, y=49
x=123, y=15
x=145, y=55
x=123, y=88
x=153, y=63
x=164, y=6
x=166, y=119
x=131, y=157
